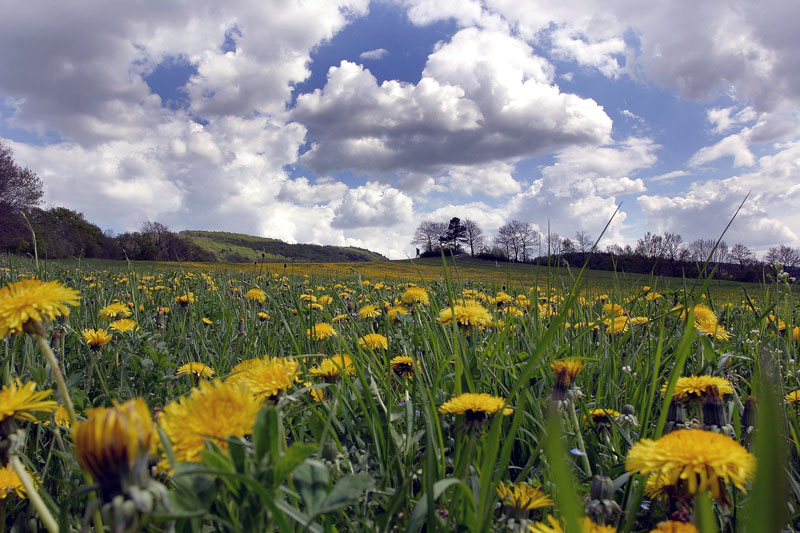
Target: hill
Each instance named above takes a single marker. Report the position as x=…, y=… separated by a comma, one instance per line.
x=238, y=248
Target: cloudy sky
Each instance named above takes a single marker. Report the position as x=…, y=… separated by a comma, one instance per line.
x=350, y=122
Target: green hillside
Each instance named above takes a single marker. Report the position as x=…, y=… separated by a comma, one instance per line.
x=239, y=248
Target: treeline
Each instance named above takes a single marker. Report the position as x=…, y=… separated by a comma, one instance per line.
x=62, y=233
x=666, y=254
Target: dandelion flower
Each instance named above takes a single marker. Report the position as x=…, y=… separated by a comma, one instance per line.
x=331, y=368
x=33, y=300
x=554, y=526
x=256, y=295
x=114, y=442
x=566, y=370
x=267, y=377
x=522, y=498
x=96, y=338
x=396, y=310
x=196, y=369
x=403, y=366
x=613, y=310
x=369, y=311
x=374, y=341
x=10, y=483
x=793, y=397
x=62, y=417
x=699, y=460
x=601, y=417
x=474, y=406
x=673, y=526
x=207, y=321
x=20, y=401
x=415, y=295
x=468, y=313
x=214, y=410
x=321, y=331
x=114, y=311
x=689, y=387
x=615, y=326
x=123, y=325
x=185, y=299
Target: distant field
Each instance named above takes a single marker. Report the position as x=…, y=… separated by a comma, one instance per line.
x=495, y=275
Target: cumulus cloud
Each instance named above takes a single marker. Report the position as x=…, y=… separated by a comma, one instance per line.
x=378, y=53
x=484, y=97
x=492, y=180
x=769, y=216
x=735, y=146
x=372, y=205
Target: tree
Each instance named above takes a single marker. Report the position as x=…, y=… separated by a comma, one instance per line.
x=20, y=188
x=583, y=241
x=567, y=247
x=650, y=246
x=742, y=255
x=454, y=235
x=700, y=250
x=785, y=255
x=474, y=236
x=428, y=235
x=517, y=238
x=554, y=243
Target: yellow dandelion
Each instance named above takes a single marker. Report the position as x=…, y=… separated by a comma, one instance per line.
x=566, y=370
x=96, y=338
x=369, y=311
x=793, y=397
x=33, y=300
x=600, y=417
x=689, y=387
x=374, y=341
x=308, y=298
x=185, y=299
x=704, y=317
x=114, y=311
x=396, y=310
x=554, y=526
x=19, y=401
x=415, y=295
x=256, y=295
x=613, y=310
x=522, y=497
x=124, y=325
x=207, y=321
x=267, y=377
x=195, y=369
x=114, y=442
x=403, y=366
x=10, y=483
x=321, y=331
x=262, y=316
x=62, y=417
x=698, y=460
x=501, y=298
x=214, y=410
x=468, y=313
x=340, y=318
x=473, y=405
x=714, y=331
x=331, y=368
x=615, y=326
x=673, y=526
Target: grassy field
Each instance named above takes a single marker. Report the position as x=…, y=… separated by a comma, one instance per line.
x=395, y=396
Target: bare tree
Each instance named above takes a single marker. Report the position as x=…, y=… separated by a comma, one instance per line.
x=742, y=255
x=517, y=238
x=429, y=234
x=474, y=235
x=554, y=243
x=20, y=188
x=785, y=255
x=701, y=250
x=156, y=230
x=583, y=241
x=650, y=246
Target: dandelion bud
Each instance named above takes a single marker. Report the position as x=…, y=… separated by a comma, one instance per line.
x=600, y=505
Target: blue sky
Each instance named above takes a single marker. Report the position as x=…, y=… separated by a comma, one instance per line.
x=350, y=122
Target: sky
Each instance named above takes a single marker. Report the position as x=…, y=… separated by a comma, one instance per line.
x=349, y=122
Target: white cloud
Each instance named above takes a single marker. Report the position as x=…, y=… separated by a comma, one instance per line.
x=378, y=53
x=484, y=97
x=372, y=205
x=492, y=180
x=300, y=190
x=735, y=146
x=669, y=175
x=769, y=216
x=727, y=117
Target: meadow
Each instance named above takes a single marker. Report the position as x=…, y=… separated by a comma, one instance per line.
x=394, y=396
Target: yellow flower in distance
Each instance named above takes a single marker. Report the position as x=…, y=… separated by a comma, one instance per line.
x=96, y=338
x=196, y=369
x=256, y=295
x=522, y=497
x=214, y=410
x=695, y=386
x=602, y=416
x=613, y=310
x=374, y=341
x=331, y=368
x=369, y=311
x=114, y=311
x=267, y=377
x=113, y=442
x=185, y=299
x=126, y=324
x=19, y=401
x=321, y=331
x=415, y=295
x=698, y=460
x=33, y=300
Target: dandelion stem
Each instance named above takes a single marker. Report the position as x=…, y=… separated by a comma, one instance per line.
x=62, y=384
x=581, y=446
x=33, y=496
